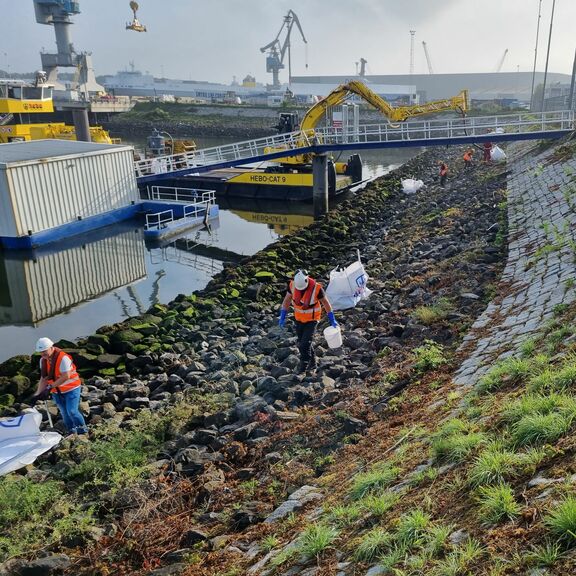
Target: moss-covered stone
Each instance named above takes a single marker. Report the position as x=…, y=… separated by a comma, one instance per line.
x=6, y=400
x=16, y=365
x=147, y=329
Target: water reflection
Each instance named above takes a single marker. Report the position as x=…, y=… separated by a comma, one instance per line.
x=40, y=284
x=280, y=217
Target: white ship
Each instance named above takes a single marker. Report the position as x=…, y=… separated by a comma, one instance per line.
x=134, y=83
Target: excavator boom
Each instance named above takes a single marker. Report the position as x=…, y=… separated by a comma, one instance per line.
x=398, y=114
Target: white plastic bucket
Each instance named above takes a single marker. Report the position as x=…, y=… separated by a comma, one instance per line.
x=333, y=336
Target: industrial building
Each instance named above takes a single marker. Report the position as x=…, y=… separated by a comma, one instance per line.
x=481, y=86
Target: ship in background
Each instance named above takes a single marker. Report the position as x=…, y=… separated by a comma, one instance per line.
x=134, y=83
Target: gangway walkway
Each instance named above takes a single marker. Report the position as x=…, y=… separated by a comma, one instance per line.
x=438, y=132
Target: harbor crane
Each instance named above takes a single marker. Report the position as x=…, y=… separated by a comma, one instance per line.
x=277, y=49
x=362, y=63
x=58, y=14
x=501, y=61
x=428, y=61
x=135, y=24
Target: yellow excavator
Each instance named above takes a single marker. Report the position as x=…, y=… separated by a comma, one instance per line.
x=339, y=95
x=18, y=101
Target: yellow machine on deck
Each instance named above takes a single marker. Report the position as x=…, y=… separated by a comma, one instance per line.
x=18, y=100
x=394, y=114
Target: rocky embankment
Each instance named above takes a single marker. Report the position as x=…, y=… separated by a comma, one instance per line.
x=209, y=455
x=193, y=121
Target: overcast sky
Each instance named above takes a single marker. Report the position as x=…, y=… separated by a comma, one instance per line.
x=219, y=39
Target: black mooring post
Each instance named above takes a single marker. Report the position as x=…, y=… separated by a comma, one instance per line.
x=320, y=185
x=81, y=125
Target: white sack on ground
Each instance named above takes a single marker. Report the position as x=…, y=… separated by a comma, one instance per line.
x=348, y=286
x=21, y=441
x=410, y=186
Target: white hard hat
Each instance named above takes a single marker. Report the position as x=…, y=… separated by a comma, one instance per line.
x=43, y=344
x=301, y=280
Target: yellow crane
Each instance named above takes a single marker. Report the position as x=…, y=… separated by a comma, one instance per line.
x=459, y=103
x=135, y=24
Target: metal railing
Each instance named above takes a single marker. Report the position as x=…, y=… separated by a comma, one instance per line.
x=178, y=194
x=201, y=207
x=528, y=123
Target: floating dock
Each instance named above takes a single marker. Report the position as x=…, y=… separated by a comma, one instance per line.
x=51, y=190
x=261, y=183
x=170, y=218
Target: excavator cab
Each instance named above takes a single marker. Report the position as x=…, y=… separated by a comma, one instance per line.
x=288, y=122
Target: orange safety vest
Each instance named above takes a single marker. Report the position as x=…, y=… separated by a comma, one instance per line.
x=306, y=305
x=467, y=157
x=50, y=369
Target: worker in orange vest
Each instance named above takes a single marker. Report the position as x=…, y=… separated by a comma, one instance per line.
x=442, y=172
x=307, y=298
x=468, y=158
x=58, y=376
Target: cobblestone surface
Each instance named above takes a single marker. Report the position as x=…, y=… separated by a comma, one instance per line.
x=540, y=271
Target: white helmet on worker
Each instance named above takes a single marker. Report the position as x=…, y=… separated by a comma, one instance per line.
x=44, y=344
x=301, y=280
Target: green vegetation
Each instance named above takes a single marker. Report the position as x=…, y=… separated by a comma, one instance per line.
x=497, y=503
x=378, y=477
x=38, y=514
x=561, y=521
x=429, y=356
x=455, y=441
x=316, y=538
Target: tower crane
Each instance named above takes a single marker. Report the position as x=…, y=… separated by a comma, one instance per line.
x=429, y=62
x=277, y=50
x=362, y=63
x=135, y=24
x=501, y=61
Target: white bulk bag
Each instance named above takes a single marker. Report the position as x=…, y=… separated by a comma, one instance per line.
x=348, y=286
x=497, y=154
x=410, y=186
x=21, y=441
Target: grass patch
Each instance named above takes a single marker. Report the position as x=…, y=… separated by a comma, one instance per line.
x=316, y=538
x=509, y=371
x=561, y=521
x=373, y=544
x=494, y=465
x=378, y=505
x=551, y=380
x=378, y=477
x=497, y=503
x=38, y=514
x=541, y=428
x=429, y=356
x=428, y=315
x=454, y=442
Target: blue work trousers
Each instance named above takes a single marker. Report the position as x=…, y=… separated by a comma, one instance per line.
x=69, y=405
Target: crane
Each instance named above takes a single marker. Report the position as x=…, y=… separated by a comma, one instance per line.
x=277, y=49
x=339, y=95
x=362, y=63
x=58, y=13
x=429, y=62
x=135, y=24
x=501, y=61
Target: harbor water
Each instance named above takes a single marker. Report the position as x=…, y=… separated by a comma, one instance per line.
x=70, y=289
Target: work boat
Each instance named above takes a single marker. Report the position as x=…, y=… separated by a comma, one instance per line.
x=19, y=102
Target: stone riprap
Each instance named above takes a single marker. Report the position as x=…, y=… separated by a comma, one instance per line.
x=540, y=268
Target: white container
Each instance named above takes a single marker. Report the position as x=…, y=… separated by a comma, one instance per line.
x=47, y=183
x=333, y=336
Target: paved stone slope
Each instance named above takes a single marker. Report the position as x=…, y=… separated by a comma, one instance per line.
x=540, y=271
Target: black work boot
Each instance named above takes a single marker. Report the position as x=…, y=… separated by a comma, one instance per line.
x=312, y=365
x=301, y=367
